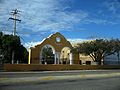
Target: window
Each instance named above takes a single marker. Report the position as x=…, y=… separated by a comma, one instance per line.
x=88, y=62
x=58, y=39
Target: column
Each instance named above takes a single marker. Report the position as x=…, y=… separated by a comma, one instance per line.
x=71, y=58
x=58, y=57
x=55, y=58
x=29, y=57
x=40, y=59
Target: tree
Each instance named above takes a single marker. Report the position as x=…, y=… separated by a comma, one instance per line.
x=10, y=43
x=47, y=54
x=1, y=36
x=97, y=49
x=116, y=44
x=23, y=54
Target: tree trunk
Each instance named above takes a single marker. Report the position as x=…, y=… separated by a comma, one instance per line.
x=99, y=61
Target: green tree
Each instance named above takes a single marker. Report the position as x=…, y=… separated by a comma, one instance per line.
x=116, y=44
x=97, y=49
x=1, y=37
x=47, y=55
x=22, y=53
x=10, y=43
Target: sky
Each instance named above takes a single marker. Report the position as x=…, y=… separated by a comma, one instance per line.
x=77, y=20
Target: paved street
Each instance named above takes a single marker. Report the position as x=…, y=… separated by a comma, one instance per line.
x=61, y=80
x=77, y=84
x=54, y=73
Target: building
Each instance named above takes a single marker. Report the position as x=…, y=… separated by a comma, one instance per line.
x=61, y=51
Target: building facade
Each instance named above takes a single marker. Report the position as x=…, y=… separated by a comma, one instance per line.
x=61, y=51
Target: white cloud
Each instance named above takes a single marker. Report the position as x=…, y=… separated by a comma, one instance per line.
x=77, y=40
x=99, y=21
x=107, y=13
x=47, y=15
x=7, y=32
x=112, y=6
x=41, y=15
x=31, y=44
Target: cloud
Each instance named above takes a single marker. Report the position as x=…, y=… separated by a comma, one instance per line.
x=7, y=32
x=46, y=15
x=99, y=21
x=112, y=6
x=31, y=44
x=112, y=10
x=41, y=15
x=108, y=13
x=76, y=40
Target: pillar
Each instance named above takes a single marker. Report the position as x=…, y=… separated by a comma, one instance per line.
x=71, y=58
x=40, y=59
x=29, y=57
x=57, y=58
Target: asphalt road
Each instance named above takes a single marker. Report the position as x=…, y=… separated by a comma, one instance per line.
x=112, y=83
x=61, y=80
x=53, y=73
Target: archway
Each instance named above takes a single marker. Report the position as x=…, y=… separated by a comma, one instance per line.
x=65, y=55
x=56, y=42
x=47, y=54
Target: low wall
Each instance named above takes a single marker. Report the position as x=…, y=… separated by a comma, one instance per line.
x=37, y=67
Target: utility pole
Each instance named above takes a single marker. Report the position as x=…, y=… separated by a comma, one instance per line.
x=14, y=13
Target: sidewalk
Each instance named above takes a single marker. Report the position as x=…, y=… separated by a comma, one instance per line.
x=23, y=80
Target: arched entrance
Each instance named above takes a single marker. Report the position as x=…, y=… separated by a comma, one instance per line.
x=47, y=55
x=65, y=55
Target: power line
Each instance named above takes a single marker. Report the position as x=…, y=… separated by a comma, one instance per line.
x=21, y=37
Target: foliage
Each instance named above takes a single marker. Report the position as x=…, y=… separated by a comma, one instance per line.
x=23, y=54
x=10, y=43
x=99, y=48
x=116, y=44
x=47, y=55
